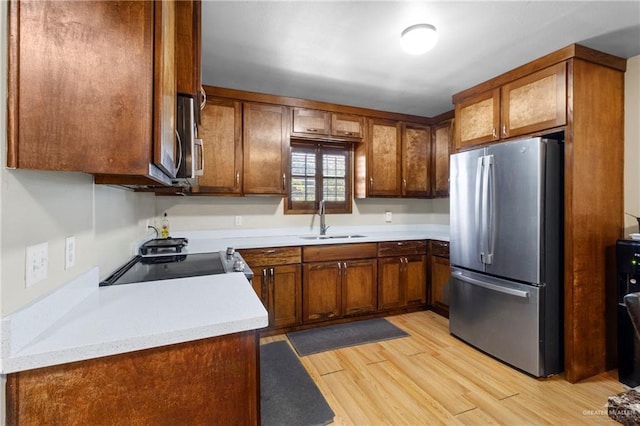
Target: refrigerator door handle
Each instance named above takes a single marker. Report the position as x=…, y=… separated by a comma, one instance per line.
x=484, y=225
x=490, y=188
x=493, y=287
x=478, y=209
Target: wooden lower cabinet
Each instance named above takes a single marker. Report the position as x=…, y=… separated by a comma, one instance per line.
x=440, y=272
x=278, y=282
x=339, y=288
x=211, y=381
x=402, y=272
x=334, y=287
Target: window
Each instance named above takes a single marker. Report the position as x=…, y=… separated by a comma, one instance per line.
x=319, y=171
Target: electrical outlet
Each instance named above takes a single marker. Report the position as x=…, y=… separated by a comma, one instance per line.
x=36, y=264
x=238, y=220
x=69, y=252
x=388, y=217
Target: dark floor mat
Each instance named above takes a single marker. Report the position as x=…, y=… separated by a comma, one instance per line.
x=288, y=395
x=338, y=336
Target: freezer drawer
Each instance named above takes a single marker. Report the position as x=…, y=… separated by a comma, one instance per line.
x=499, y=317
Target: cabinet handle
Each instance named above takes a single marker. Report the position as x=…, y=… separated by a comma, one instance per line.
x=400, y=244
x=268, y=251
x=237, y=178
x=404, y=182
x=347, y=133
x=312, y=130
x=493, y=133
x=371, y=183
x=284, y=181
x=203, y=103
x=504, y=130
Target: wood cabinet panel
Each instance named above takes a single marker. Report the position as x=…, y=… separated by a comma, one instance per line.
x=310, y=121
x=535, y=102
x=102, y=59
x=416, y=160
x=401, y=248
x=208, y=381
x=322, y=291
x=347, y=125
x=442, y=140
x=478, y=120
x=416, y=280
x=272, y=256
x=339, y=252
x=360, y=286
x=221, y=134
x=384, y=158
x=265, y=148
x=285, y=295
x=390, y=288
x=440, y=273
x=188, y=48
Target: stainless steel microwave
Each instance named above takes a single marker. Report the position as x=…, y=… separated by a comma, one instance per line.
x=190, y=149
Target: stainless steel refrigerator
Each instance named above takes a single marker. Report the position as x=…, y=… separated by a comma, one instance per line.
x=505, y=292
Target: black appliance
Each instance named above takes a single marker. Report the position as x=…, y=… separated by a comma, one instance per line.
x=628, y=281
x=166, y=266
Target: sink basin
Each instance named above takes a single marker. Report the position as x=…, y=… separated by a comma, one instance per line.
x=331, y=237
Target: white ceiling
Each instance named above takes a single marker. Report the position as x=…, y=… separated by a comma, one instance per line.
x=347, y=52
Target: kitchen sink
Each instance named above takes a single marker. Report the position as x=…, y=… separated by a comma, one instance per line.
x=331, y=237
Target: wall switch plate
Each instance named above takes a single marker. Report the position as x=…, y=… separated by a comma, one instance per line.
x=388, y=217
x=36, y=264
x=238, y=220
x=69, y=252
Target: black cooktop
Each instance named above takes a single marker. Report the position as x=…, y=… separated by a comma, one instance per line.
x=143, y=268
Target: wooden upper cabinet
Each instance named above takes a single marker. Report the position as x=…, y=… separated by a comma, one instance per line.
x=221, y=134
x=311, y=122
x=535, y=102
x=416, y=160
x=96, y=99
x=265, y=148
x=442, y=138
x=527, y=105
x=188, y=52
x=478, y=120
x=347, y=125
x=384, y=158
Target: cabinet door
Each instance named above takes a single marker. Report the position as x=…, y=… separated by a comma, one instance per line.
x=478, y=120
x=346, y=125
x=322, y=291
x=285, y=295
x=221, y=134
x=440, y=273
x=64, y=94
x=535, y=102
x=165, y=153
x=359, y=288
x=390, y=288
x=188, y=53
x=415, y=277
x=441, y=143
x=384, y=159
x=416, y=160
x=311, y=121
x=265, y=150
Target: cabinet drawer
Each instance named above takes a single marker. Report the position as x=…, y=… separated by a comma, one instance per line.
x=440, y=248
x=271, y=256
x=402, y=248
x=339, y=252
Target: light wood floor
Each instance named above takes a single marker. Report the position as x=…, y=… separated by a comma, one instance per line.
x=433, y=378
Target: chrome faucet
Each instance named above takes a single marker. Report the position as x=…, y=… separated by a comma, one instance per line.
x=323, y=224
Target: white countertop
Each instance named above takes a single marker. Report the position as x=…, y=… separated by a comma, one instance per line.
x=81, y=321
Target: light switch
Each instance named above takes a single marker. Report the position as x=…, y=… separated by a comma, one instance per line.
x=388, y=217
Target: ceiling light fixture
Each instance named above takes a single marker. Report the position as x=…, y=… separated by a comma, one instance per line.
x=418, y=39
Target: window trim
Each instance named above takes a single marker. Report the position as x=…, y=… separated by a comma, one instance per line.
x=331, y=207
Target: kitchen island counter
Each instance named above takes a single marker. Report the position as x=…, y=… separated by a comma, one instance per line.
x=82, y=321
